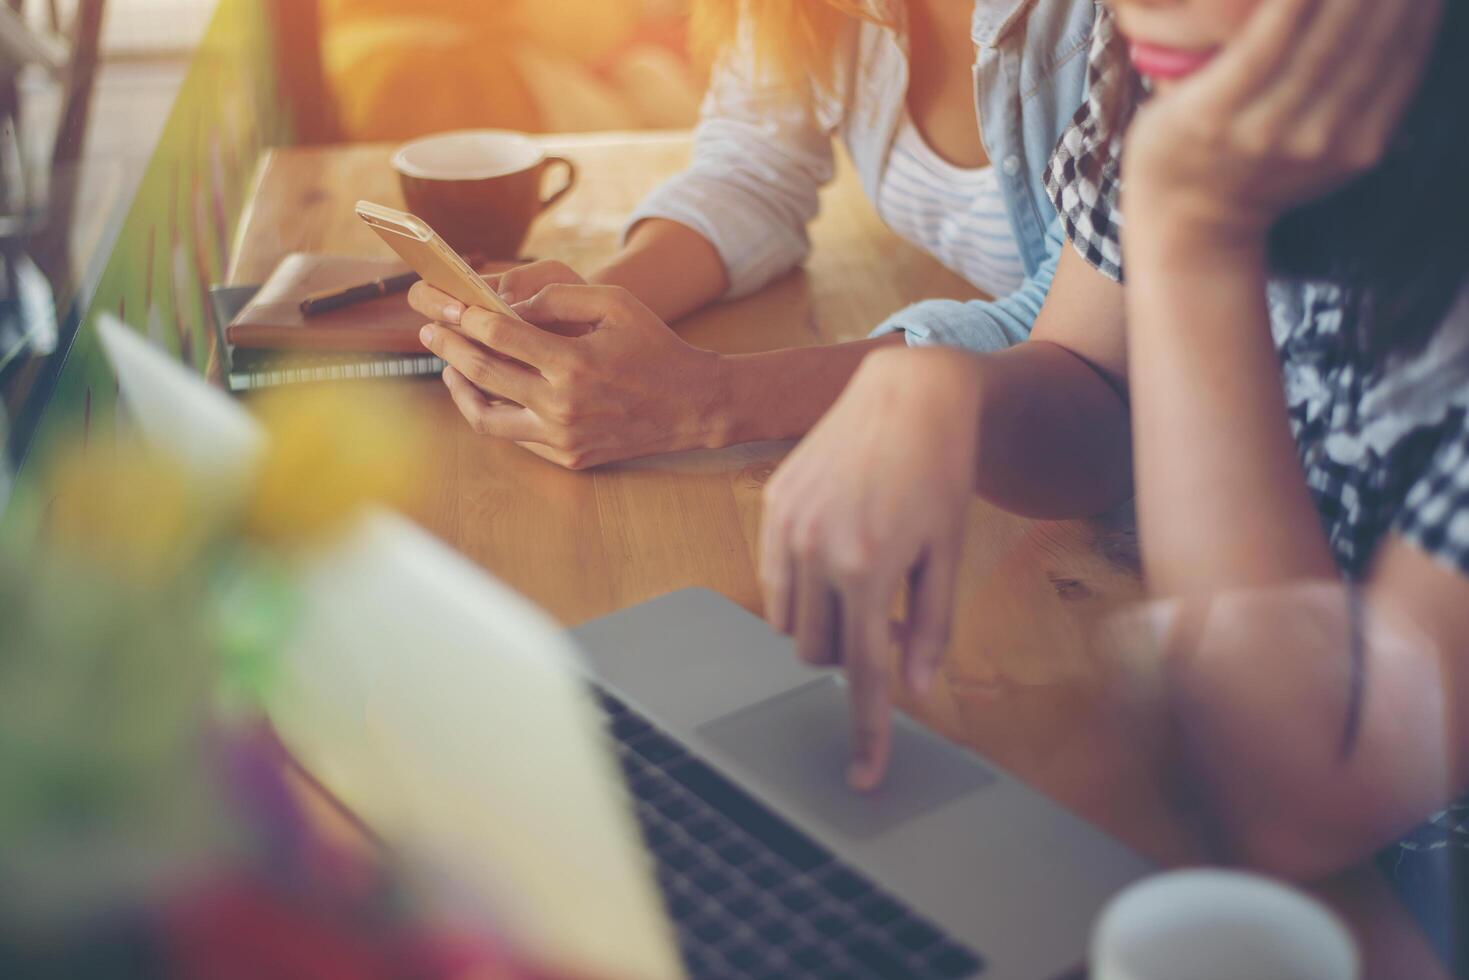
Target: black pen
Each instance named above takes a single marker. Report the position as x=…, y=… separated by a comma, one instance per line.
x=335, y=299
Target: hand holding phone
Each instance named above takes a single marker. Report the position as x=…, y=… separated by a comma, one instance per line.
x=431, y=257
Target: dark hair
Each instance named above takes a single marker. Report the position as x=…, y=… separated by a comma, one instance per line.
x=1397, y=238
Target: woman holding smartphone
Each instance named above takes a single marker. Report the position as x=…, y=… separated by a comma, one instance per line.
x=897, y=83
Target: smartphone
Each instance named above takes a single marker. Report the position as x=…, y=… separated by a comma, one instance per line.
x=431, y=257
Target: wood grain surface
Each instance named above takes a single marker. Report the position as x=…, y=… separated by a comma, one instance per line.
x=1024, y=683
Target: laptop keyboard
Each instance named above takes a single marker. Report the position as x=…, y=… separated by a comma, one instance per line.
x=752, y=896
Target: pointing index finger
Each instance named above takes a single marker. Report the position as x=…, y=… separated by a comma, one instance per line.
x=864, y=641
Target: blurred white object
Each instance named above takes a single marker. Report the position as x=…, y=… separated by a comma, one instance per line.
x=1220, y=925
x=178, y=411
x=21, y=46
x=452, y=716
x=446, y=711
x=150, y=28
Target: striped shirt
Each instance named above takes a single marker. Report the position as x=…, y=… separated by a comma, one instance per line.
x=953, y=213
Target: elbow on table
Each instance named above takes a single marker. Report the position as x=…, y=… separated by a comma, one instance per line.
x=1316, y=831
x=1295, y=849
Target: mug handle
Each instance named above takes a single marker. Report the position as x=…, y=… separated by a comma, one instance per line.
x=571, y=174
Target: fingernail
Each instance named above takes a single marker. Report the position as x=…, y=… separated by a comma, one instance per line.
x=426, y=335
x=510, y=296
x=452, y=312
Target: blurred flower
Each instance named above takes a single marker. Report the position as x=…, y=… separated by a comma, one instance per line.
x=147, y=823
x=129, y=512
x=330, y=453
x=254, y=606
x=105, y=687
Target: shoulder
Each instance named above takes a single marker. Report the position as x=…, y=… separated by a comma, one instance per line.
x=1056, y=28
x=1045, y=55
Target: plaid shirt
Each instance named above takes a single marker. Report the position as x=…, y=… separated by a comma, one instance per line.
x=1384, y=445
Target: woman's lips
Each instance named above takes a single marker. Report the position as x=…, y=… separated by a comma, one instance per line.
x=1159, y=61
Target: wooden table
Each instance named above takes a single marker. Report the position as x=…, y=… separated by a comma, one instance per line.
x=1021, y=685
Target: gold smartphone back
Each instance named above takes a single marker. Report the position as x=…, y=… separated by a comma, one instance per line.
x=431, y=257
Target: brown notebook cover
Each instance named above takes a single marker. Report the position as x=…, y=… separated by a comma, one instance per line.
x=273, y=319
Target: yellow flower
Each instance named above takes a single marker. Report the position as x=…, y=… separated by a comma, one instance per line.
x=131, y=512
x=330, y=452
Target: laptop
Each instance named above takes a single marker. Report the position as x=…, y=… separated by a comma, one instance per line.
x=661, y=792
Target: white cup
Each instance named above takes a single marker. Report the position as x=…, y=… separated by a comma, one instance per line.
x=1220, y=925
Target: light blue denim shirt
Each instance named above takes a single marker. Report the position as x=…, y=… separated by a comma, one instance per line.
x=761, y=158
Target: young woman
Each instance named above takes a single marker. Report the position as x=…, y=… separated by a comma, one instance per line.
x=1295, y=361
x=897, y=83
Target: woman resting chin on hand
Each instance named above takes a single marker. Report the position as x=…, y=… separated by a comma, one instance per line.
x=1296, y=371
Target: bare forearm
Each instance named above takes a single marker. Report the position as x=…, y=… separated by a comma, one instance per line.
x=782, y=394
x=1334, y=757
x=670, y=267
x=1350, y=742
x=1222, y=500
x=1053, y=439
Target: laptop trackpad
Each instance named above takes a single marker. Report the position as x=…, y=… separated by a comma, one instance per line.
x=798, y=745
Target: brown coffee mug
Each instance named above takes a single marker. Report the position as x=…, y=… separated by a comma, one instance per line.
x=479, y=189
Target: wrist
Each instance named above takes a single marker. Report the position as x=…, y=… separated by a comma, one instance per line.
x=937, y=389
x=930, y=374
x=720, y=424
x=1178, y=218
x=1172, y=242
x=738, y=408
x=781, y=394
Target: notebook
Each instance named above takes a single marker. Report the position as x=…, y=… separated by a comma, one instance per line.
x=248, y=368
x=273, y=320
